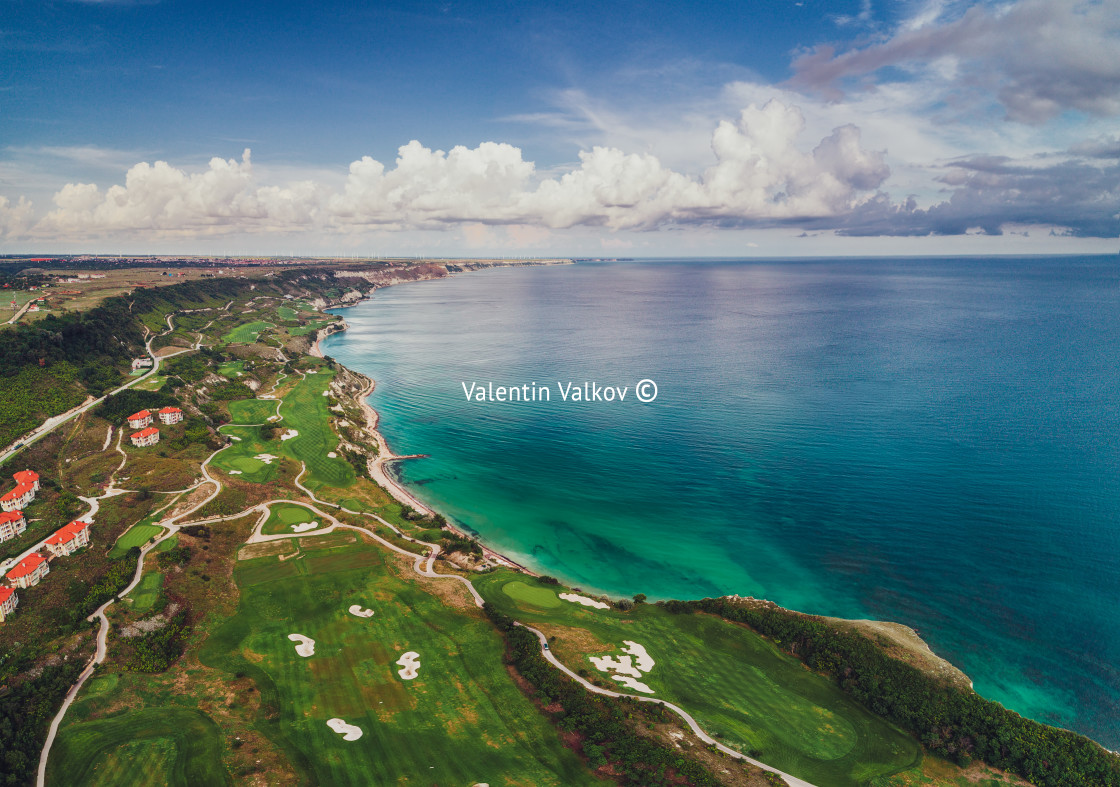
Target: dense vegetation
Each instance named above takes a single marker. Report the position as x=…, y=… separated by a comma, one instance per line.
x=25, y=714
x=606, y=725
x=119, y=406
x=959, y=725
x=157, y=650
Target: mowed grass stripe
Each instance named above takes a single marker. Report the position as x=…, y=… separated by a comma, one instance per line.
x=252, y=411
x=247, y=333
x=462, y=721
x=734, y=682
x=157, y=746
x=305, y=409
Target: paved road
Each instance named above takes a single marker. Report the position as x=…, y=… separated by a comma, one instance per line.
x=793, y=781
x=423, y=565
x=54, y=422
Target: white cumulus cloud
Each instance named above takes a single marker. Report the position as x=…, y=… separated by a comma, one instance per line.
x=762, y=176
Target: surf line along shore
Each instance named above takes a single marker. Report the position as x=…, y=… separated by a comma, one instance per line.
x=378, y=465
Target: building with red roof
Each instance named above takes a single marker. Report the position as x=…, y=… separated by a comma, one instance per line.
x=29, y=571
x=137, y=420
x=8, y=603
x=145, y=437
x=12, y=523
x=27, y=484
x=170, y=415
x=69, y=539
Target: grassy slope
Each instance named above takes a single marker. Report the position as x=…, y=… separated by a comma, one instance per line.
x=246, y=333
x=304, y=409
x=736, y=684
x=155, y=746
x=136, y=536
x=460, y=722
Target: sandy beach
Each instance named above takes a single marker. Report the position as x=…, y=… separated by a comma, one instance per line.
x=377, y=465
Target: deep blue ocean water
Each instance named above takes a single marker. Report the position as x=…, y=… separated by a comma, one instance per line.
x=930, y=441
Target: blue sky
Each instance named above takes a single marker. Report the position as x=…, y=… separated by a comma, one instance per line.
x=589, y=128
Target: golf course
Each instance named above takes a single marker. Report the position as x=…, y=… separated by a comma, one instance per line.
x=739, y=687
x=461, y=720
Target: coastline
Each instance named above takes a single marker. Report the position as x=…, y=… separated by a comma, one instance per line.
x=385, y=456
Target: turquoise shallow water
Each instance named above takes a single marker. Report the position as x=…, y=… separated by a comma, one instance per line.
x=928, y=441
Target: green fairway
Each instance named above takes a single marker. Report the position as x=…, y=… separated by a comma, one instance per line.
x=239, y=460
x=287, y=313
x=146, y=592
x=461, y=721
x=252, y=411
x=311, y=327
x=305, y=409
x=136, y=536
x=247, y=333
x=156, y=746
x=284, y=515
x=232, y=369
x=737, y=684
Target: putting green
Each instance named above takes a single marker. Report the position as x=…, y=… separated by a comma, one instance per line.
x=284, y=515
x=155, y=746
x=146, y=592
x=239, y=459
x=735, y=683
x=136, y=536
x=461, y=721
x=247, y=333
x=534, y=595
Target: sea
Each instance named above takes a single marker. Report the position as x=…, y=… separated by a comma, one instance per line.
x=929, y=441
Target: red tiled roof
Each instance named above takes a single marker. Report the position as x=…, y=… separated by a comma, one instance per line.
x=5, y=594
x=67, y=533
x=171, y=410
x=151, y=430
x=140, y=416
x=26, y=477
x=19, y=491
x=10, y=516
x=26, y=566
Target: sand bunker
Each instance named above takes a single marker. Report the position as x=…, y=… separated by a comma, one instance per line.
x=326, y=393
x=623, y=665
x=356, y=609
x=636, y=685
x=302, y=526
x=332, y=455
x=410, y=663
x=306, y=646
x=234, y=437
x=627, y=668
x=312, y=371
x=266, y=458
x=266, y=396
x=235, y=472
x=587, y=602
x=348, y=731
x=642, y=659
x=288, y=435
x=273, y=418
